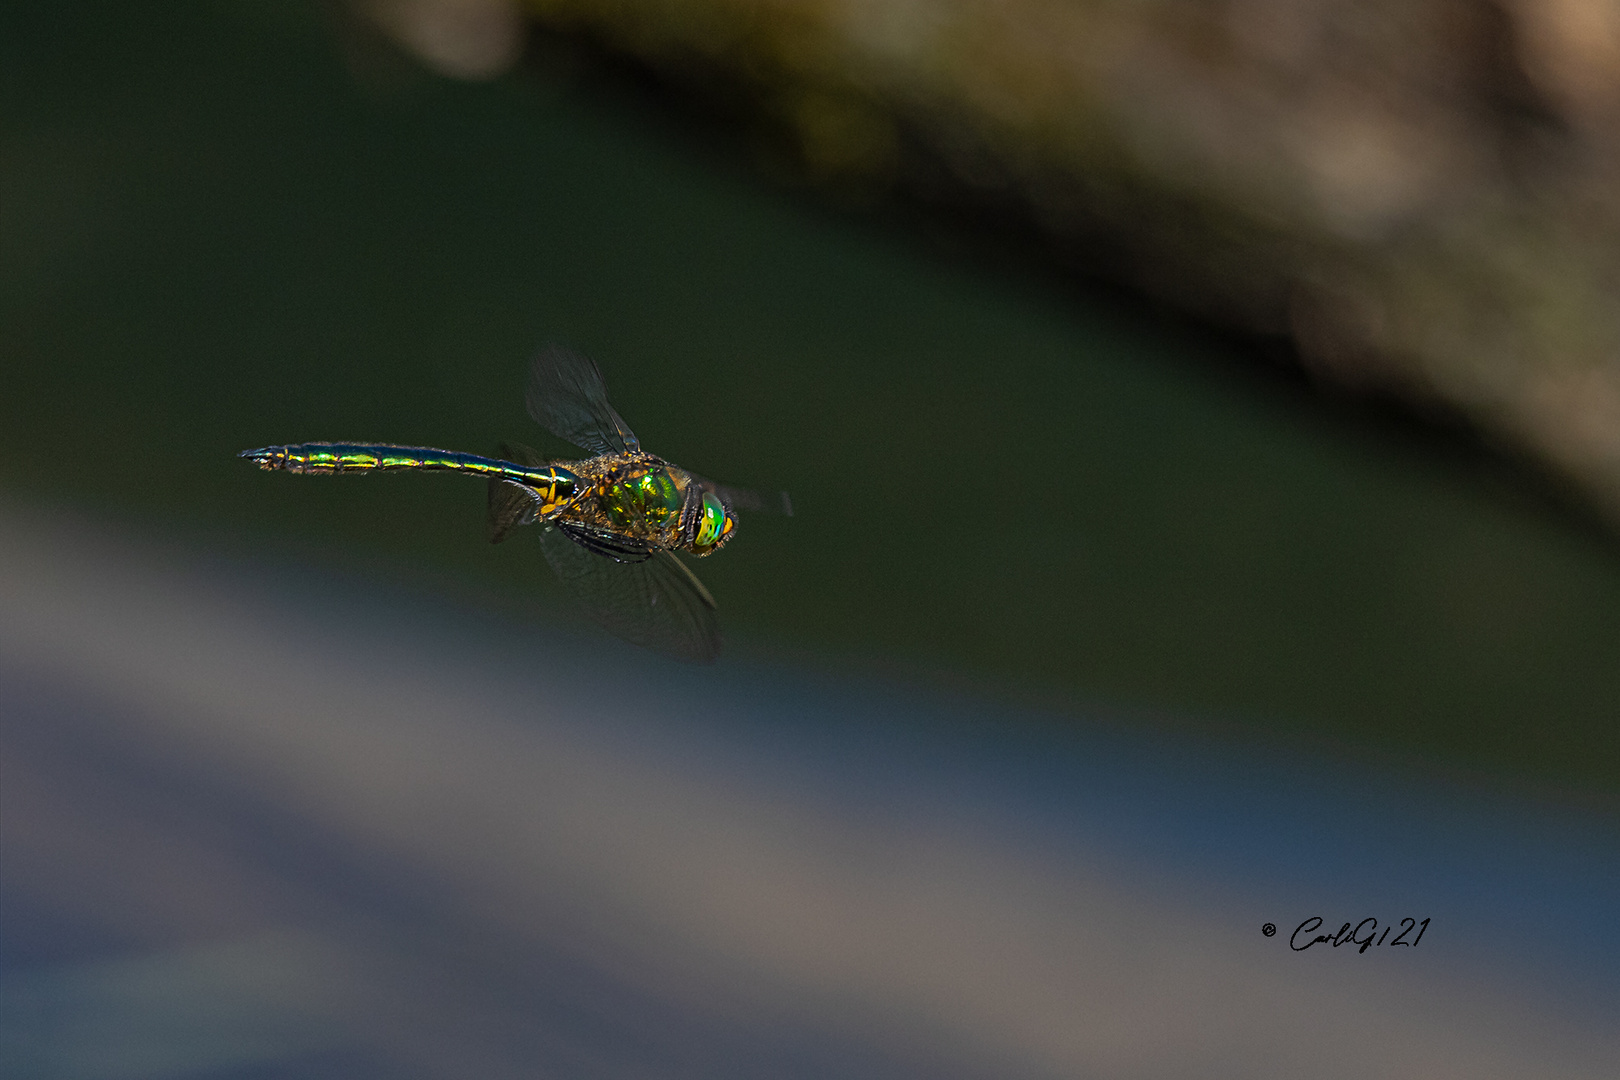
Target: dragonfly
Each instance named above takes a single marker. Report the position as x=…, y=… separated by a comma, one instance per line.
x=611, y=523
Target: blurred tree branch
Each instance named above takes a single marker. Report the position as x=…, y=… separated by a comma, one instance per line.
x=1423, y=194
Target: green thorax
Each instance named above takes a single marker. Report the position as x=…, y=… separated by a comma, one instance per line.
x=645, y=498
x=631, y=495
x=650, y=499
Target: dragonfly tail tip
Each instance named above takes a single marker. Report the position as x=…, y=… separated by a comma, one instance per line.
x=266, y=457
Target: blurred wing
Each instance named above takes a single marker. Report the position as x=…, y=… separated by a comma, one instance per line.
x=566, y=397
x=523, y=455
x=744, y=499
x=512, y=505
x=655, y=602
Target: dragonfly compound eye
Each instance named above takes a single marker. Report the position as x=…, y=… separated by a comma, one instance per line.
x=715, y=525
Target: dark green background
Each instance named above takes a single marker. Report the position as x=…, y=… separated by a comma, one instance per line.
x=224, y=225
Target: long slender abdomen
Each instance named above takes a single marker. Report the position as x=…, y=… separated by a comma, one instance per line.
x=321, y=458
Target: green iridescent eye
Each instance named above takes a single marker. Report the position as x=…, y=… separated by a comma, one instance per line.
x=712, y=522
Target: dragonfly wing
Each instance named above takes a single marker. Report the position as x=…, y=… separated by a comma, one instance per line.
x=736, y=498
x=523, y=455
x=567, y=397
x=655, y=602
x=510, y=505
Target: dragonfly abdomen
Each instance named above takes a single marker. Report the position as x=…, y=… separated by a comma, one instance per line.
x=550, y=482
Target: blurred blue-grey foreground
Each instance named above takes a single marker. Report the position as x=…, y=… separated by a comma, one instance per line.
x=259, y=824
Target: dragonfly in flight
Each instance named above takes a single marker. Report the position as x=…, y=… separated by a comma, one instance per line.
x=611, y=522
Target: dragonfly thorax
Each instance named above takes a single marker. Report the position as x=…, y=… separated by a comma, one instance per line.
x=643, y=497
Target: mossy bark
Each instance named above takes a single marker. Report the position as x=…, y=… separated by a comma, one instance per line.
x=1423, y=194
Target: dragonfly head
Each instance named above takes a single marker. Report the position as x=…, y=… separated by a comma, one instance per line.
x=714, y=525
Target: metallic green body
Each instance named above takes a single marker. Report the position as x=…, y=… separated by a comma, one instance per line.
x=324, y=457
x=611, y=522
x=552, y=486
x=634, y=495
x=642, y=497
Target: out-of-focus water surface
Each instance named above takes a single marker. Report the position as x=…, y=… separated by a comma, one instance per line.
x=275, y=824
x=302, y=778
